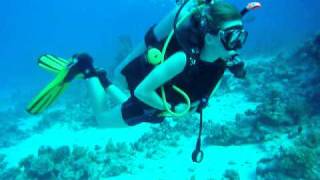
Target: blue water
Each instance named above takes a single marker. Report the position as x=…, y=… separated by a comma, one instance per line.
x=31, y=28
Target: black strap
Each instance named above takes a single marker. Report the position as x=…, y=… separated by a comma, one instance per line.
x=197, y=154
x=150, y=38
x=244, y=11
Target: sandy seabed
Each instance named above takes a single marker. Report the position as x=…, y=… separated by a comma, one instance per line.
x=176, y=163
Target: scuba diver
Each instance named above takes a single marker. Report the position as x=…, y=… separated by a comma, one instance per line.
x=173, y=72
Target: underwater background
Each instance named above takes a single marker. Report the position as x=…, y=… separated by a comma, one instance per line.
x=265, y=127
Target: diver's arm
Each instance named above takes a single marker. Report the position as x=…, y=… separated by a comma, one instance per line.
x=98, y=94
x=146, y=90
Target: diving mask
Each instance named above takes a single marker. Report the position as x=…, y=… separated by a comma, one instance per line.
x=233, y=38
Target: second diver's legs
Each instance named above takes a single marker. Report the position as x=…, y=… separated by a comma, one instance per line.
x=105, y=117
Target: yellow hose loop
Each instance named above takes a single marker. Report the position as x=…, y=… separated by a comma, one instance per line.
x=183, y=94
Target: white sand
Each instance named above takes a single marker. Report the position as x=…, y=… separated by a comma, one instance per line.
x=61, y=135
x=177, y=161
x=225, y=108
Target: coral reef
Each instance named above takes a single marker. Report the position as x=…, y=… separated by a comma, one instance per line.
x=295, y=74
x=49, y=119
x=277, y=111
x=78, y=163
x=310, y=139
x=298, y=161
x=287, y=89
x=10, y=133
x=155, y=143
x=231, y=174
x=3, y=163
x=71, y=112
x=245, y=130
x=310, y=49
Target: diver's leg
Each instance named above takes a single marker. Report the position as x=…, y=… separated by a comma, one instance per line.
x=97, y=92
x=104, y=117
x=111, y=118
x=117, y=94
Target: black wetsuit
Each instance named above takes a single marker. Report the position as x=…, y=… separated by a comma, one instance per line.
x=198, y=78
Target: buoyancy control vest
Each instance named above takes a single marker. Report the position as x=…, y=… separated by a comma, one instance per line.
x=198, y=78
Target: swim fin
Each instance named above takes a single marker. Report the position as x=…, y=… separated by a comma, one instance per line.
x=50, y=93
x=52, y=63
x=56, y=64
x=80, y=66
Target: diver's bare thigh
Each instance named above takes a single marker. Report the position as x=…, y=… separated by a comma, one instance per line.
x=111, y=118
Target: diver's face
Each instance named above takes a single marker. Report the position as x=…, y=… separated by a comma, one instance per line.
x=215, y=43
x=232, y=35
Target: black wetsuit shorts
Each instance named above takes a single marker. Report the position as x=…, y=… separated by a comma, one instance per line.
x=134, y=112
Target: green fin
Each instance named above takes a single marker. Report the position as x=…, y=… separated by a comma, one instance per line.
x=49, y=94
x=52, y=63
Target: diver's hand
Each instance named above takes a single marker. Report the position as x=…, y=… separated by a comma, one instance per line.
x=83, y=62
x=167, y=105
x=180, y=107
x=166, y=113
x=238, y=70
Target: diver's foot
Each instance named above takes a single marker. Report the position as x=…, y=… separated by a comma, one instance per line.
x=82, y=65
